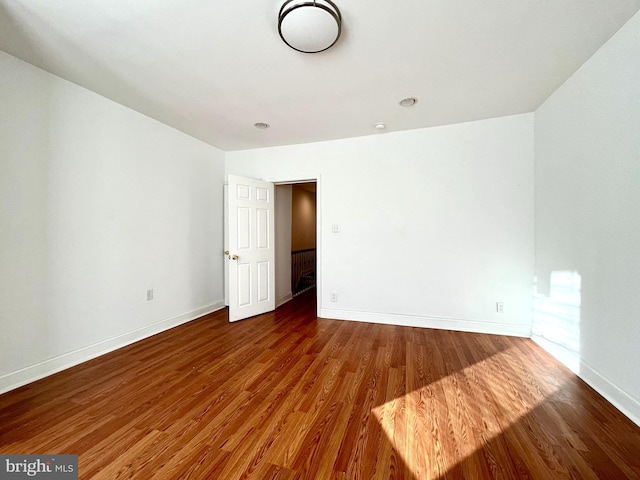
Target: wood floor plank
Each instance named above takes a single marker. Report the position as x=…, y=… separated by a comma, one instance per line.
x=288, y=395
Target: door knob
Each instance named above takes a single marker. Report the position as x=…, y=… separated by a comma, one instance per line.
x=226, y=252
x=233, y=257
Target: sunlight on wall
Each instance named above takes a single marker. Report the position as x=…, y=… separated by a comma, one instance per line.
x=425, y=431
x=556, y=318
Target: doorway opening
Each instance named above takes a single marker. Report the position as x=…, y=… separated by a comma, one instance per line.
x=303, y=237
x=296, y=239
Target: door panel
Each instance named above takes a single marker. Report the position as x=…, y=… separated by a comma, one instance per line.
x=251, y=247
x=263, y=228
x=244, y=285
x=263, y=281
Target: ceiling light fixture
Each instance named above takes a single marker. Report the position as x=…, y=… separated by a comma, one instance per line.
x=408, y=102
x=380, y=126
x=261, y=125
x=309, y=26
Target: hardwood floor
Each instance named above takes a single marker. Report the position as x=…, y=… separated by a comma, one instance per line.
x=287, y=395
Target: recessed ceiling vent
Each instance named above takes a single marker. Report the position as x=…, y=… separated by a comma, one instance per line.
x=408, y=102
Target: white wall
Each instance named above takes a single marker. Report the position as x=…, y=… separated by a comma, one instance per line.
x=98, y=204
x=436, y=224
x=587, y=148
x=283, y=243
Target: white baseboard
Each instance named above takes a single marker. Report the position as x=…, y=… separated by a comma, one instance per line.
x=615, y=395
x=442, y=323
x=13, y=380
x=283, y=299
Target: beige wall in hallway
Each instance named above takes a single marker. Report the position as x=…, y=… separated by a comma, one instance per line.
x=303, y=218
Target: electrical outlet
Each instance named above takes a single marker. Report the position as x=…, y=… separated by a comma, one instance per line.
x=334, y=296
x=149, y=294
x=500, y=307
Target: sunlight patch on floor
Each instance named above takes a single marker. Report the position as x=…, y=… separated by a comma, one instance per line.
x=428, y=432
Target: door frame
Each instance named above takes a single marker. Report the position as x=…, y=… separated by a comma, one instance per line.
x=317, y=178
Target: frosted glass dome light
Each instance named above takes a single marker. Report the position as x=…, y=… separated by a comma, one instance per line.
x=309, y=26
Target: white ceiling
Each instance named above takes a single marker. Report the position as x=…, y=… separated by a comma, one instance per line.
x=213, y=68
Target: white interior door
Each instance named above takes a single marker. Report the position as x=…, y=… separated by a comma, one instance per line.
x=251, y=254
